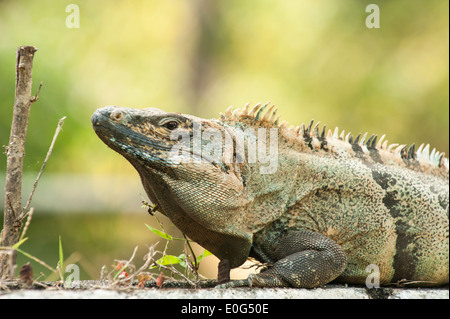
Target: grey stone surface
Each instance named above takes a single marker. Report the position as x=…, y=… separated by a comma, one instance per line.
x=236, y=293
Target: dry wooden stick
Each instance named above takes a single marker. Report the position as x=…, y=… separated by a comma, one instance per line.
x=27, y=224
x=15, y=152
x=24, y=212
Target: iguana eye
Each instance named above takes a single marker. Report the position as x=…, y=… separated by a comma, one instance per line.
x=171, y=125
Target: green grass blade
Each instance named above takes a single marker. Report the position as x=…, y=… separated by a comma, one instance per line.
x=36, y=259
x=61, y=255
x=124, y=268
x=17, y=245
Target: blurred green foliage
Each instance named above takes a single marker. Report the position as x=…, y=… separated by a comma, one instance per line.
x=313, y=59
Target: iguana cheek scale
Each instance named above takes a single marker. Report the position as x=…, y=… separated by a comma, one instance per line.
x=334, y=205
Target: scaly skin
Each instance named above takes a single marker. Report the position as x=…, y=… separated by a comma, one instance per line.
x=329, y=207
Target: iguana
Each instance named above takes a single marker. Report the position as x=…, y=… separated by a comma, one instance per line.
x=327, y=206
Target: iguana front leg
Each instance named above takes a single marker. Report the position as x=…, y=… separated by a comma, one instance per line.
x=302, y=259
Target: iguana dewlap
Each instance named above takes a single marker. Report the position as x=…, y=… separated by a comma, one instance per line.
x=315, y=205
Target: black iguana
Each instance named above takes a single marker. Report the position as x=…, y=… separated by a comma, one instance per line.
x=321, y=206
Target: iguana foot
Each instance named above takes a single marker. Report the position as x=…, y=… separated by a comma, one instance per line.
x=303, y=259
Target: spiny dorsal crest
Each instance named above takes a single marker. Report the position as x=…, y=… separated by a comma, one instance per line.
x=378, y=149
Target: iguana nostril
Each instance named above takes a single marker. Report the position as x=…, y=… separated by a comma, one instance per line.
x=116, y=116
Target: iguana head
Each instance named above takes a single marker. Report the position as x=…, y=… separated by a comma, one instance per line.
x=202, y=195
x=142, y=136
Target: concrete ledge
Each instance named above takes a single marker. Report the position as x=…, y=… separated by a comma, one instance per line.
x=329, y=292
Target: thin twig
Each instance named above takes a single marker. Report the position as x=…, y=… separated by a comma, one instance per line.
x=27, y=224
x=55, y=136
x=58, y=267
x=173, y=269
x=36, y=96
x=126, y=266
x=192, y=251
x=132, y=257
x=148, y=261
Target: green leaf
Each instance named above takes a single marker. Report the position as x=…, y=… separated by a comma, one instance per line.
x=182, y=258
x=159, y=233
x=206, y=253
x=169, y=260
